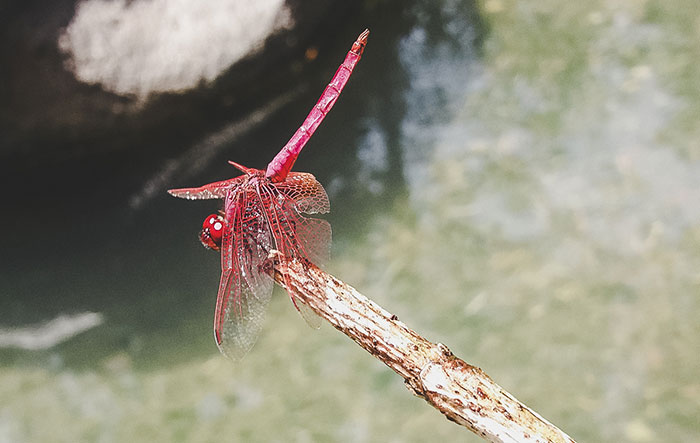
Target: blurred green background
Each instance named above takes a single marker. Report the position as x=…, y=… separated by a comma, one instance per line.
x=517, y=180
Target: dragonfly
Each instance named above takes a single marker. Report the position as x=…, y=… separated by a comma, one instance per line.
x=262, y=211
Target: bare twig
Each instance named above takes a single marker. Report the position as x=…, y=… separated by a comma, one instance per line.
x=464, y=393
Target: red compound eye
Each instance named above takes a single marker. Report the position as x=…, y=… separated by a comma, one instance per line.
x=212, y=231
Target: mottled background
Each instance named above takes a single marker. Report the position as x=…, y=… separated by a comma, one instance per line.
x=517, y=180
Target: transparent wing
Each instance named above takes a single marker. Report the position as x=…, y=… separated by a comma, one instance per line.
x=294, y=235
x=312, y=241
x=208, y=191
x=309, y=316
x=244, y=291
x=307, y=193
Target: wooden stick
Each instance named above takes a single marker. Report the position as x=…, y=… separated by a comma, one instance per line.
x=462, y=392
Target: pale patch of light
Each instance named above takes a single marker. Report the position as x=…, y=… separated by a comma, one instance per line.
x=49, y=334
x=211, y=407
x=439, y=79
x=248, y=397
x=143, y=46
x=373, y=156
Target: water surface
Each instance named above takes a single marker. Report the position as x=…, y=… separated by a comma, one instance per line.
x=519, y=181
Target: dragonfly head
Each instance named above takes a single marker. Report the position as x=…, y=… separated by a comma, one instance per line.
x=212, y=231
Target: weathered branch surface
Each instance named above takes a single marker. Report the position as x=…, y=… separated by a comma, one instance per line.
x=462, y=392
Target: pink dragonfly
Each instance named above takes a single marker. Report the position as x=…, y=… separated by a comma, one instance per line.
x=262, y=211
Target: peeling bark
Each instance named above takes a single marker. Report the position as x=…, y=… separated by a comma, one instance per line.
x=462, y=392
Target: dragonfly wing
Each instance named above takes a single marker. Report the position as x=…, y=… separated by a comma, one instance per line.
x=244, y=290
x=309, y=316
x=208, y=191
x=240, y=314
x=294, y=235
x=306, y=192
x=313, y=239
